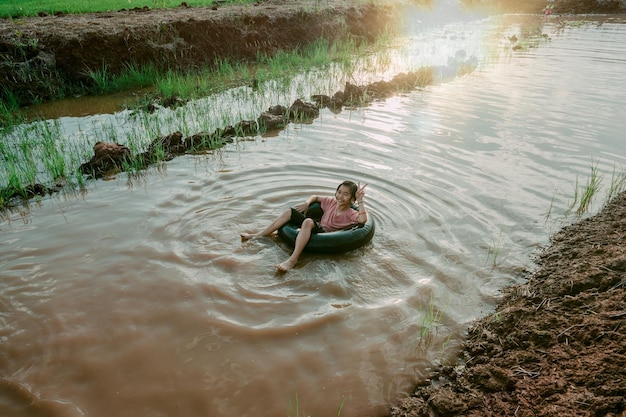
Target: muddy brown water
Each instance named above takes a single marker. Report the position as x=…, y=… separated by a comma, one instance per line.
x=138, y=298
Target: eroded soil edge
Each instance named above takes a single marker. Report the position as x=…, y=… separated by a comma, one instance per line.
x=556, y=345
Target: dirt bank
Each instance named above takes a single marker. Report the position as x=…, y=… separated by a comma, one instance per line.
x=44, y=55
x=42, y=58
x=555, y=346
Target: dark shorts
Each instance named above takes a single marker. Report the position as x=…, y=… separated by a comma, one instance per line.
x=298, y=218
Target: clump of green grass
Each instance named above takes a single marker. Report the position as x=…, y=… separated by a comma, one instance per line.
x=495, y=248
x=25, y=8
x=429, y=323
x=294, y=407
x=132, y=77
x=583, y=196
x=9, y=109
x=618, y=184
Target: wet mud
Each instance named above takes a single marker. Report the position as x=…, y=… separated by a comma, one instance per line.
x=556, y=345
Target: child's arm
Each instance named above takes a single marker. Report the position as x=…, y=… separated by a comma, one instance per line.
x=303, y=207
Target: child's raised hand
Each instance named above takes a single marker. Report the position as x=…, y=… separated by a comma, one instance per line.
x=360, y=192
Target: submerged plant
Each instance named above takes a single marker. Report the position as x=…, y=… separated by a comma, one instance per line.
x=583, y=197
x=589, y=191
x=494, y=249
x=294, y=408
x=430, y=320
x=618, y=184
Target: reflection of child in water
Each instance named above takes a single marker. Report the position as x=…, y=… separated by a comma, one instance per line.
x=338, y=215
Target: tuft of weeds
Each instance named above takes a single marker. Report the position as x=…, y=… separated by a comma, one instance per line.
x=618, y=184
x=494, y=249
x=294, y=407
x=430, y=320
x=583, y=196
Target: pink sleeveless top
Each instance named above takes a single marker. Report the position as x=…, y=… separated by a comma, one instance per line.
x=330, y=222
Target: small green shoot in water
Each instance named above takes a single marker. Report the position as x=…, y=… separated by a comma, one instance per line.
x=431, y=318
x=295, y=407
x=494, y=249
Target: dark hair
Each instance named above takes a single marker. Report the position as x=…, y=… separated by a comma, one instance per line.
x=353, y=188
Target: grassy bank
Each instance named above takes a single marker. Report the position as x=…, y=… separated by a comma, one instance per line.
x=25, y=8
x=51, y=58
x=40, y=157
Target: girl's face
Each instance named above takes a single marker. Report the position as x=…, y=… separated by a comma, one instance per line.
x=344, y=196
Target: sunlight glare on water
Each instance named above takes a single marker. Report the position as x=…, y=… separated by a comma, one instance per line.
x=139, y=299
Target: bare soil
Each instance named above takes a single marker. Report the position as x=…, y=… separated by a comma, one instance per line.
x=555, y=346
x=40, y=56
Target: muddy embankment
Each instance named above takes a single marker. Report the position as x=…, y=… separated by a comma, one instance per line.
x=556, y=345
x=44, y=57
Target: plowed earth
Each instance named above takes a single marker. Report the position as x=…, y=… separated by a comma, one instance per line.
x=556, y=345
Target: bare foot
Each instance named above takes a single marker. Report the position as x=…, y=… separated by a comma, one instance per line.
x=285, y=266
x=248, y=236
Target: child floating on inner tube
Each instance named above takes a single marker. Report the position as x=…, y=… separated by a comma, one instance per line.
x=338, y=215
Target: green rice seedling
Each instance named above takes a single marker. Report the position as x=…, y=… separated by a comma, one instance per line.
x=101, y=78
x=224, y=68
x=133, y=76
x=549, y=212
x=618, y=184
x=494, y=249
x=9, y=110
x=589, y=191
x=13, y=183
x=445, y=344
x=54, y=161
x=574, y=200
x=430, y=320
x=294, y=408
x=319, y=53
x=53, y=150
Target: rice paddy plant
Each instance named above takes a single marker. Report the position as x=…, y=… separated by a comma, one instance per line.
x=618, y=184
x=100, y=78
x=135, y=76
x=589, y=191
x=54, y=160
x=574, y=200
x=295, y=407
x=319, y=53
x=13, y=182
x=53, y=150
x=549, y=212
x=225, y=69
x=583, y=196
x=9, y=106
x=494, y=249
x=430, y=320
